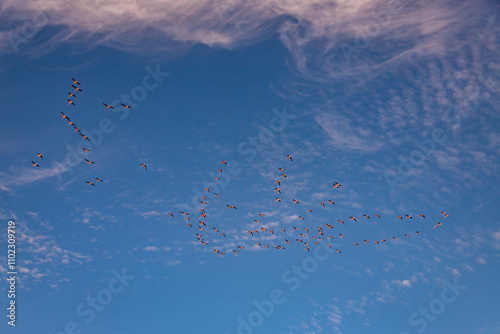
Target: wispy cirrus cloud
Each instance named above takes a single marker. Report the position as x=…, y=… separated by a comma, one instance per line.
x=43, y=255
x=22, y=176
x=303, y=26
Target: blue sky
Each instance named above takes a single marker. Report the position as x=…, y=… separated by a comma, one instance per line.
x=398, y=102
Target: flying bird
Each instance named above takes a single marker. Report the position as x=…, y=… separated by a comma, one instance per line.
x=144, y=165
x=40, y=155
x=108, y=106
x=125, y=106
x=75, y=82
x=34, y=164
x=90, y=183
x=84, y=137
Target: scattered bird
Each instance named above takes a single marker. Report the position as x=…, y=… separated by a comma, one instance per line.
x=306, y=238
x=108, y=106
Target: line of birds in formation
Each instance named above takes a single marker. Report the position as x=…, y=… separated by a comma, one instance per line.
x=76, y=86
x=303, y=236
x=201, y=223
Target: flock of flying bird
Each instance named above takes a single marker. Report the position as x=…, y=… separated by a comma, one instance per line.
x=287, y=235
x=300, y=235
x=71, y=95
